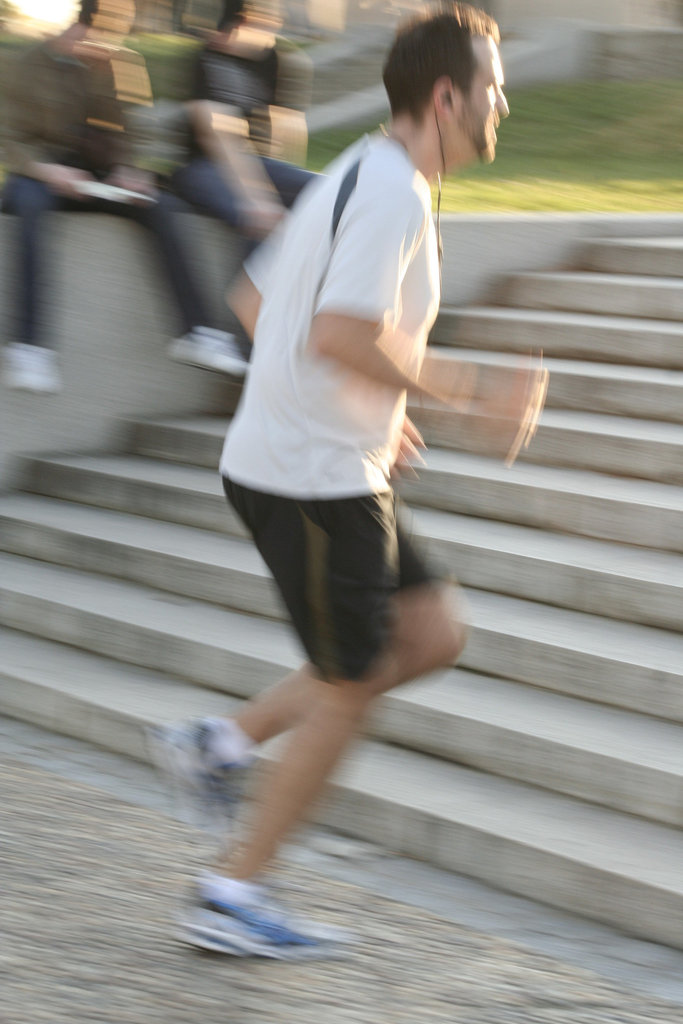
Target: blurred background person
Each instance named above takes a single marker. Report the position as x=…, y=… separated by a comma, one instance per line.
x=243, y=70
x=68, y=149
x=238, y=122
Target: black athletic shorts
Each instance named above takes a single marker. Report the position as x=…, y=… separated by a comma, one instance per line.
x=337, y=564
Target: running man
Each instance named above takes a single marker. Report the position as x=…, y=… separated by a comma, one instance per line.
x=340, y=306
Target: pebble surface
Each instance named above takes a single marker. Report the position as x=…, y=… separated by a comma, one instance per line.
x=90, y=888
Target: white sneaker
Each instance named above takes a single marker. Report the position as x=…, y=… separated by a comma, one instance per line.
x=211, y=349
x=31, y=368
x=206, y=789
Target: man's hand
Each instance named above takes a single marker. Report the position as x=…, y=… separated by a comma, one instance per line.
x=500, y=408
x=62, y=180
x=507, y=408
x=408, y=451
x=133, y=179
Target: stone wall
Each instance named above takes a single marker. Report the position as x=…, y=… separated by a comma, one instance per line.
x=110, y=317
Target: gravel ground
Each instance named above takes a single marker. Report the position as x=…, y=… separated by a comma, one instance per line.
x=91, y=884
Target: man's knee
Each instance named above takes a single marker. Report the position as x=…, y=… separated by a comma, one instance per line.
x=433, y=618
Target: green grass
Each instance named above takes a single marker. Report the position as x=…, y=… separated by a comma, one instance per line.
x=604, y=146
x=590, y=146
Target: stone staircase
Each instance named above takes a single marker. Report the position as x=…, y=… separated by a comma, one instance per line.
x=550, y=763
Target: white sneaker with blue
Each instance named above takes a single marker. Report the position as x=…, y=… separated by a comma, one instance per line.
x=206, y=761
x=242, y=919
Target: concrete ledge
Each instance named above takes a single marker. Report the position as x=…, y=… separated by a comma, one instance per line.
x=111, y=316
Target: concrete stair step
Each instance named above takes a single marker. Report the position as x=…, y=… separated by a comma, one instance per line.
x=634, y=667
x=600, y=577
x=607, y=865
x=659, y=257
x=195, y=440
x=182, y=560
x=141, y=486
x=573, y=501
x=618, y=581
x=606, y=444
x=609, y=444
x=616, y=445
x=614, y=758
x=94, y=698
x=659, y=298
x=608, y=756
x=564, y=335
x=551, y=498
x=634, y=391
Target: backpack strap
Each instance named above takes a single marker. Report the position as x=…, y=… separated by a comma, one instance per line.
x=345, y=189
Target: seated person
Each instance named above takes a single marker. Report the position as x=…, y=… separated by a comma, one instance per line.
x=240, y=71
x=66, y=110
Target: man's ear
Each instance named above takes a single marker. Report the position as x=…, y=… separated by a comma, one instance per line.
x=446, y=96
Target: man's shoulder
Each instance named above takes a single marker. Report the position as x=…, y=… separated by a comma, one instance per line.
x=388, y=181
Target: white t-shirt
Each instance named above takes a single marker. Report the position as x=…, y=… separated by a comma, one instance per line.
x=307, y=427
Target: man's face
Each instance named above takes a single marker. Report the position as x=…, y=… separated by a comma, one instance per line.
x=485, y=105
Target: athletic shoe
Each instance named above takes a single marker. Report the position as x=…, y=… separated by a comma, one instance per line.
x=31, y=368
x=261, y=928
x=183, y=754
x=212, y=350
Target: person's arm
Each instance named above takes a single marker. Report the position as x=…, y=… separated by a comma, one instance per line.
x=376, y=351
x=244, y=300
x=215, y=131
x=502, y=410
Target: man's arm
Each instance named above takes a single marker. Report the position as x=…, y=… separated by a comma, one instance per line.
x=503, y=411
x=377, y=352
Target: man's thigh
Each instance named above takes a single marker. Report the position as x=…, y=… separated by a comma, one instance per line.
x=337, y=564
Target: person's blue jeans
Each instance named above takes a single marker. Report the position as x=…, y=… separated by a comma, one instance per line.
x=31, y=200
x=201, y=184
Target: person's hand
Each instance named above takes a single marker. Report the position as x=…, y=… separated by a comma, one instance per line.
x=261, y=216
x=135, y=180
x=408, y=451
x=507, y=408
x=62, y=180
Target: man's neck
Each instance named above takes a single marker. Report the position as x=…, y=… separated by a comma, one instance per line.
x=419, y=142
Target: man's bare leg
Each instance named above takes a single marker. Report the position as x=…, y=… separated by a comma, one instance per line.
x=279, y=708
x=427, y=636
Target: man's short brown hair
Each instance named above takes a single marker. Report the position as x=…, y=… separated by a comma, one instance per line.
x=436, y=42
